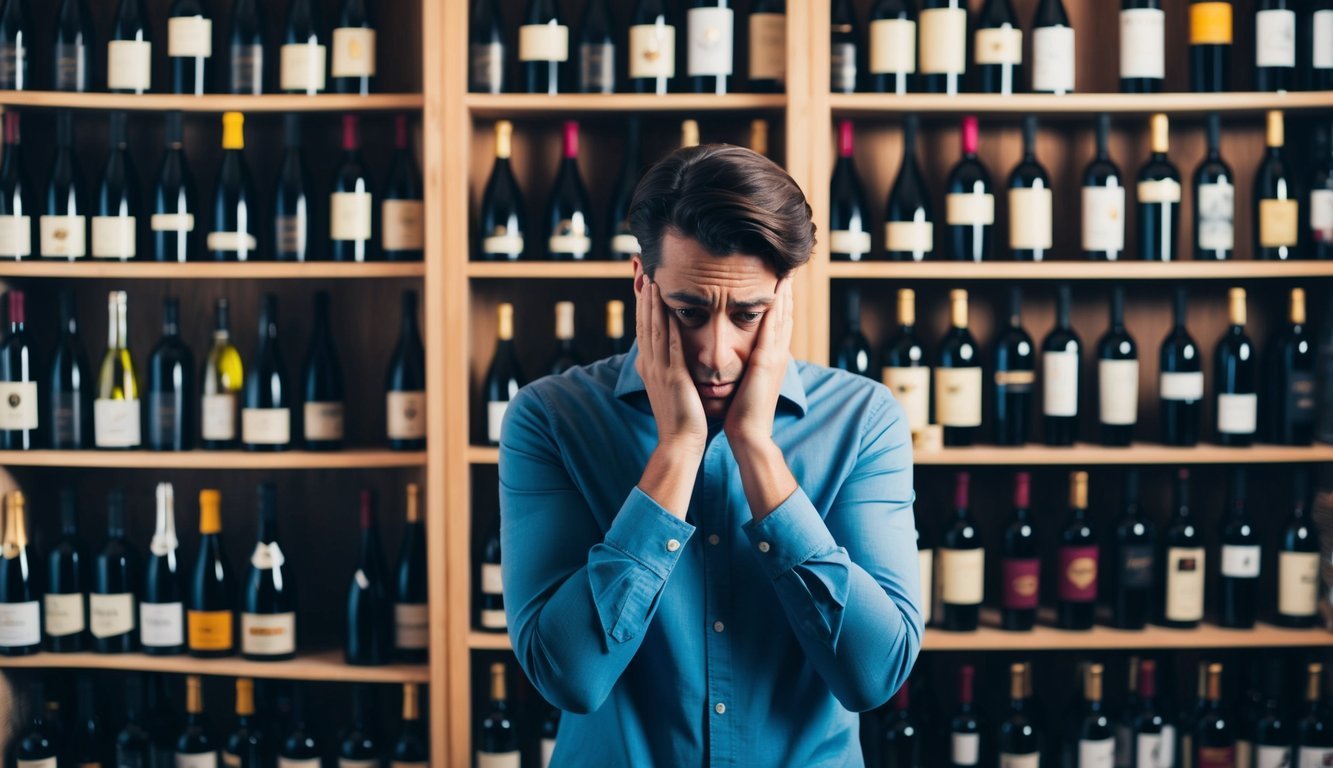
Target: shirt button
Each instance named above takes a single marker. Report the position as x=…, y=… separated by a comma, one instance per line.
x=721, y=708
x=713, y=539
x=718, y=626
x=763, y=546
x=672, y=545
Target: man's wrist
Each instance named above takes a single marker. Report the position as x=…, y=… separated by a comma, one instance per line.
x=744, y=447
x=668, y=479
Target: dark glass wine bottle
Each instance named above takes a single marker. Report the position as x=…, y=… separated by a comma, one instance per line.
x=17, y=214
x=116, y=222
x=233, y=236
x=171, y=388
x=569, y=221
x=245, y=47
x=1287, y=409
x=905, y=366
x=1142, y=46
x=63, y=225
x=965, y=725
x=89, y=736
x=189, y=46
x=411, y=748
x=566, y=354
x=903, y=741
x=210, y=611
x=1020, y=563
x=195, y=746
x=958, y=377
x=129, y=51
x=849, y=215
x=1182, y=570
x=543, y=48
x=1030, y=202
x=1298, y=561
x=72, y=48
x=352, y=64
x=1132, y=563
x=1053, y=59
x=1214, y=201
x=844, y=47
x=300, y=747
x=369, y=621
x=1018, y=741
x=1276, y=206
x=969, y=202
x=497, y=739
x=224, y=377
x=504, y=377
x=962, y=565
x=1238, y=582
x=597, y=49
x=1061, y=361
x=65, y=604
x=1215, y=735
x=1159, y=199
x=19, y=412
x=1314, y=730
x=768, y=46
x=1078, y=561
x=1151, y=736
x=909, y=226
x=1094, y=742
x=1318, y=55
x=853, y=351
x=411, y=609
x=351, y=203
x=1015, y=376
x=175, y=210
x=112, y=612
x=37, y=742
x=302, y=65
x=402, y=210
x=69, y=389
x=162, y=609
x=293, y=206
x=1320, y=220
x=1234, y=377
x=1180, y=381
x=1275, y=45
x=997, y=48
x=491, y=599
x=653, y=32
x=1210, y=46
x=621, y=244
x=323, y=395
x=943, y=54
x=133, y=746
x=503, y=222
x=20, y=606
x=893, y=46
x=1117, y=378
x=266, y=413
x=710, y=45
x=247, y=745
x=487, y=61
x=405, y=384
x=268, y=608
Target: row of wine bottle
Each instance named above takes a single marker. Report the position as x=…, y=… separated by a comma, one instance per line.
x=172, y=227
x=310, y=54
x=124, y=604
x=1286, y=224
x=499, y=740
x=1271, y=399
x=258, y=407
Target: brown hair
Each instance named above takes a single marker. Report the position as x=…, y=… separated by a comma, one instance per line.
x=730, y=200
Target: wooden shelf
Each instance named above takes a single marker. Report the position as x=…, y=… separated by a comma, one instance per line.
x=163, y=102
x=155, y=460
x=321, y=665
x=1074, y=105
x=259, y=270
x=489, y=641
x=546, y=270
x=1079, y=270
x=507, y=106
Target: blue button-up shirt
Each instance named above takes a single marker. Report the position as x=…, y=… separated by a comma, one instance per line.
x=714, y=640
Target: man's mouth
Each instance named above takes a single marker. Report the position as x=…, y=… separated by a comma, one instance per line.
x=715, y=391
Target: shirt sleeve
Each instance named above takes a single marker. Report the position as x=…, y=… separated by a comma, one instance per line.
x=855, y=608
x=577, y=601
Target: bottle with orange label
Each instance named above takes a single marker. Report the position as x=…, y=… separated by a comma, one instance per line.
x=210, y=615
x=1210, y=46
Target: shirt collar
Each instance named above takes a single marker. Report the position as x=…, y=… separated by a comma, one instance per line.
x=792, y=392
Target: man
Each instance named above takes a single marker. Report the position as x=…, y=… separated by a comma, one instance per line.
x=709, y=549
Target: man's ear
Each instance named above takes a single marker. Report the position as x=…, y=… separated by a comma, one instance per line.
x=640, y=277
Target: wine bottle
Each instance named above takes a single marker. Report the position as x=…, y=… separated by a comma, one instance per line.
x=497, y=742
x=596, y=50
x=1030, y=202
x=405, y=385
x=209, y=614
x=1018, y=740
x=1142, y=46
x=893, y=46
x=616, y=341
x=1159, y=199
x=1215, y=736
x=1061, y=359
x=69, y=394
x=1238, y=584
x=116, y=216
x=1180, y=382
x=965, y=726
x=1133, y=564
x=970, y=202
x=962, y=565
x=1182, y=570
x=925, y=559
x=15, y=41
x=1274, y=45
x=652, y=47
x=20, y=609
x=116, y=409
x=1152, y=739
x=1095, y=741
x=353, y=64
x=504, y=377
x=566, y=354
x=905, y=366
x=998, y=48
x=1234, y=379
x=844, y=47
x=1314, y=731
x=37, y=742
x=1214, y=201
x=943, y=45
x=292, y=205
x=63, y=224
x=90, y=742
x=411, y=609
x=162, y=610
x=1276, y=208
x=266, y=416
x=768, y=46
x=909, y=231
x=503, y=222
x=300, y=748
x=171, y=387
x=849, y=215
x=1298, y=562
x=402, y=211
x=245, y=45
x=569, y=223
x=73, y=44
x=550, y=725
x=304, y=50
x=195, y=747
x=174, y=201
x=411, y=749
x=1318, y=55
x=163, y=721
x=111, y=609
x=958, y=378
x=1015, y=375
x=1053, y=58
x=324, y=393
x=129, y=51
x=268, y=609
x=486, y=49
x=622, y=245
x=1188, y=720
x=491, y=602
x=18, y=380
x=65, y=604
x=1077, y=561
x=903, y=740
x=369, y=628
x=1320, y=222
x=224, y=375
x=189, y=46
x=543, y=48
x=1287, y=409
x=16, y=210
x=758, y=136
x=1117, y=378
x=351, y=203
x=709, y=29
x=1210, y=46
x=248, y=744
x=233, y=236
x=853, y=352
x=1020, y=563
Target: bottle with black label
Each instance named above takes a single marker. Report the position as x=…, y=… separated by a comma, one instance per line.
x=1133, y=561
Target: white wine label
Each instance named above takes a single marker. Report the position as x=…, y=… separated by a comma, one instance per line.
x=1240, y=562
x=1096, y=754
x=1030, y=218
x=1159, y=191
x=999, y=46
x=129, y=65
x=314, y=762
x=323, y=421
x=1103, y=219
x=493, y=619
x=497, y=759
x=290, y=233
x=1060, y=383
x=18, y=405
x=162, y=625
x=1237, y=414
x=1275, y=38
x=1032, y=760
x=910, y=236
x=965, y=748
x=412, y=626
x=64, y=614
x=49, y=762
x=199, y=760
x=219, y=421
x=652, y=50
x=1143, y=49
x=1148, y=749
x=943, y=40
x=15, y=237
x=768, y=46
x=911, y=388
x=925, y=561
x=1168, y=747
x=344, y=762
x=404, y=225
x=302, y=67
x=892, y=46
x=116, y=423
x=502, y=244
x=64, y=237
x=353, y=52
x=268, y=634
x=1118, y=390
x=710, y=33
x=492, y=583
x=172, y=222
x=1217, y=216
x=1322, y=54
x=958, y=397
x=1321, y=214
x=495, y=416
x=20, y=624
x=266, y=426
x=1313, y=757
x=969, y=209
x=1184, y=583
x=1274, y=757
x=350, y=215
x=1298, y=583
x=189, y=37
x=543, y=42
x=851, y=243
x=267, y=556
x=406, y=415
x=577, y=245
x=243, y=244
x=548, y=750
x=630, y=244
x=962, y=575
x=1053, y=59
x=1278, y=223
x=114, y=237
x=111, y=615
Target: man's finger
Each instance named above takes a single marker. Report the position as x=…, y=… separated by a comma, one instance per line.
x=661, y=328
x=676, y=353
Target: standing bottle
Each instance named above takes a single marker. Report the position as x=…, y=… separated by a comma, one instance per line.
x=569, y=222
x=324, y=394
x=223, y=377
x=20, y=608
x=1215, y=735
x=65, y=604
x=369, y=627
x=962, y=565
x=490, y=602
x=893, y=46
x=1132, y=564
x=621, y=244
x=1320, y=219
x=175, y=210
x=566, y=354
x=162, y=609
x=1103, y=202
x=998, y=48
x=210, y=613
x=405, y=384
x=905, y=366
x=1061, y=360
x=1078, y=561
x=503, y=219
x=268, y=609
x=958, y=378
x=1210, y=46
x=116, y=216
x=1183, y=568
x=1275, y=45
x=504, y=377
x=245, y=47
x=19, y=412
x=292, y=204
x=69, y=389
x=970, y=202
x=171, y=386
x=402, y=211
x=1287, y=409
x=1180, y=382
x=247, y=745
x=1117, y=378
x=129, y=52
x=1159, y=199
x=1152, y=739
x=300, y=748
x=302, y=56
x=965, y=726
x=90, y=737
x=853, y=351
x=189, y=46
x=1018, y=740
x=1214, y=201
x=1298, y=562
x=1142, y=46
x=943, y=48
x=195, y=747
x=909, y=231
x=351, y=203
x=1030, y=202
x=1314, y=731
x=411, y=749
x=1053, y=57
x=17, y=214
x=710, y=31
x=597, y=50
x=1015, y=376
x=63, y=224
x=111, y=608
x=1234, y=379
x=846, y=64
x=1238, y=582
x=266, y=418
x=1020, y=563
x=498, y=740
x=849, y=214
x=354, y=49
x=235, y=204
x=72, y=48
x=768, y=46
x=652, y=47
x=38, y=742
x=1276, y=206
x=411, y=609
x=1095, y=741
x=116, y=409
x=543, y=48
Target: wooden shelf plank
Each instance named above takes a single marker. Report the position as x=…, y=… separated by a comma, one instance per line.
x=320, y=665
x=546, y=270
x=163, y=102
x=507, y=106
x=489, y=641
x=483, y=454
x=1074, y=104
x=155, y=460
x=1080, y=270
x=260, y=270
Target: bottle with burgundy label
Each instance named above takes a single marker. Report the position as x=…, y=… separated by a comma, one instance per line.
x=962, y=564
x=1132, y=564
x=1020, y=565
x=1078, y=561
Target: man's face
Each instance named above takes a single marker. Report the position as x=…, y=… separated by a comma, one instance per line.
x=718, y=303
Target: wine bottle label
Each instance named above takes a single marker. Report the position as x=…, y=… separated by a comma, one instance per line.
x=323, y=421
x=349, y=215
x=1210, y=23
x=768, y=46
x=1098, y=753
x=1104, y=219
x=406, y=415
x=1217, y=216
x=1032, y=760
x=962, y=574
x=268, y=634
x=1266, y=756
x=198, y=760
x=1216, y=757
x=1237, y=414
x=958, y=396
x=1187, y=387
x=1312, y=757
x=353, y=52
x=1322, y=53
x=1118, y=391
x=411, y=626
x=64, y=614
x=1240, y=561
x=965, y=748
x=497, y=759
x=710, y=41
x=1000, y=45
x=925, y=560
x=1030, y=218
x=1159, y=191
x=162, y=417
x=943, y=41
x=916, y=237
x=503, y=245
x=18, y=405
x=219, y=417
x=20, y=624
x=1060, y=383
x=854, y=245
x=64, y=237
x=302, y=67
x=492, y=583
x=162, y=625
x=287, y=762
x=172, y=222
x=116, y=423
x=15, y=237
x=1143, y=47
x=243, y=244
x=969, y=209
x=266, y=426
x=1184, y=583
x=71, y=67
x=1321, y=215
x=210, y=630
x=1022, y=580
x=1301, y=397
x=401, y=764
x=1053, y=59
x=495, y=416
x=911, y=388
x=842, y=65
x=652, y=50
x=597, y=68
x=487, y=67
x=291, y=233
x=1136, y=566
x=247, y=69
x=1298, y=583
x=493, y=618
x=1278, y=223
x=68, y=420
x=1275, y=38
x=344, y=762
x=1078, y=574
x=267, y=556
x=1148, y=749
x=404, y=224
x=111, y=615
x=1015, y=382
x=49, y=762
x=548, y=751
x=1168, y=746
x=114, y=237
x=189, y=37
x=543, y=42
x=629, y=244
x=129, y=65
x=11, y=74
x=892, y=46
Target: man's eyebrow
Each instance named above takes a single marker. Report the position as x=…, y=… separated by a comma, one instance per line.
x=700, y=301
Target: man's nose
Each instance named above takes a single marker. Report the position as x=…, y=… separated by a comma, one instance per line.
x=716, y=350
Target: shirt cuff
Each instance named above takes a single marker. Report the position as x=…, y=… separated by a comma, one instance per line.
x=645, y=531
x=789, y=535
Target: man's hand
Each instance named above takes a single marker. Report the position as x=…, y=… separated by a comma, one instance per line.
x=749, y=421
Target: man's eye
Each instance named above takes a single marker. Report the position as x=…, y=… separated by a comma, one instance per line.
x=749, y=317
x=687, y=315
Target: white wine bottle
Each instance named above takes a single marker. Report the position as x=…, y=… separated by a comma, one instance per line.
x=116, y=410
x=224, y=375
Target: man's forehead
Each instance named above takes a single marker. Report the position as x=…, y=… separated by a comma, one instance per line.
x=687, y=267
